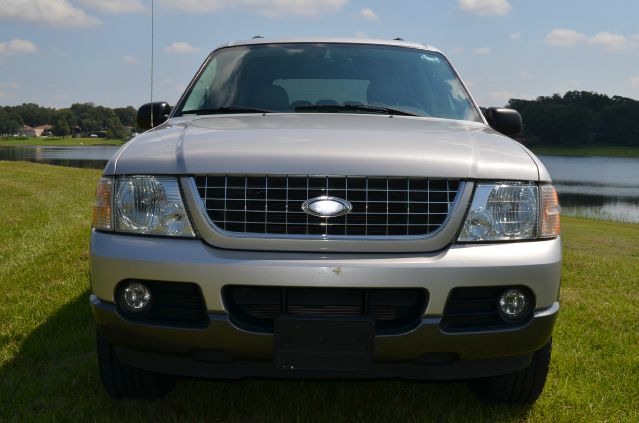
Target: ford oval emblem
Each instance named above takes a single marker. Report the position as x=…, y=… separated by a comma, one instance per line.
x=326, y=206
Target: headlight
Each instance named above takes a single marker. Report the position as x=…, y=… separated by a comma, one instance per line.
x=150, y=205
x=502, y=211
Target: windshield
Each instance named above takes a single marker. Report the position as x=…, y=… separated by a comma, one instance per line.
x=328, y=78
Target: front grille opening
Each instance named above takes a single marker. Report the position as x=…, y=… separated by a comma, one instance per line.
x=255, y=308
x=476, y=308
x=172, y=303
x=381, y=206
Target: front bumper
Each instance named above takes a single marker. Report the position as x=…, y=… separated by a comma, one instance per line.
x=426, y=352
x=116, y=257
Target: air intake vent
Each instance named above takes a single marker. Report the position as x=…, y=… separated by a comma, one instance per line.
x=255, y=308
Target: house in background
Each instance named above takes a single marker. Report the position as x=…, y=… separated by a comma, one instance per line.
x=38, y=131
x=26, y=131
x=43, y=130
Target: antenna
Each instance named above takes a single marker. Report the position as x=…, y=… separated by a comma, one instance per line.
x=152, y=53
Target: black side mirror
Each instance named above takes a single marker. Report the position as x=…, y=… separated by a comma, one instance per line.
x=506, y=121
x=151, y=115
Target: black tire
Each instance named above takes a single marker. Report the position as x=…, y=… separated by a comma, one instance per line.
x=123, y=381
x=519, y=388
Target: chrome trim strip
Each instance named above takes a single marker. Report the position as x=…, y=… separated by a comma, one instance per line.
x=553, y=309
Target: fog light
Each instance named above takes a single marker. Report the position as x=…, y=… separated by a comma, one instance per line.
x=514, y=305
x=135, y=298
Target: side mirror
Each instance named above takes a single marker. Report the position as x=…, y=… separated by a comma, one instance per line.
x=160, y=112
x=506, y=121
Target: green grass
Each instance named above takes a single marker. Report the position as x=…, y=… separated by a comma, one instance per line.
x=588, y=151
x=16, y=142
x=48, y=368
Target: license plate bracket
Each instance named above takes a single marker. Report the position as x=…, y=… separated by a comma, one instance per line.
x=322, y=344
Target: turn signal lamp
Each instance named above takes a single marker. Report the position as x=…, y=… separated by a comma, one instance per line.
x=550, y=226
x=102, y=206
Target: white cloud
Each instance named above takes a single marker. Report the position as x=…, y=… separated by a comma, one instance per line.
x=3, y=94
x=368, y=14
x=271, y=8
x=115, y=7
x=609, y=41
x=130, y=60
x=59, y=13
x=457, y=50
x=634, y=82
x=12, y=85
x=501, y=96
x=361, y=34
x=181, y=47
x=18, y=46
x=485, y=7
x=524, y=74
x=483, y=51
x=515, y=36
x=565, y=38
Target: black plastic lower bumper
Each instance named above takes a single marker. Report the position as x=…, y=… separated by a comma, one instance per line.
x=189, y=366
x=221, y=350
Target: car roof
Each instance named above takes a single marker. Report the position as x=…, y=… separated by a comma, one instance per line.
x=369, y=41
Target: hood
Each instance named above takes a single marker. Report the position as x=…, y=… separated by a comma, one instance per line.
x=325, y=144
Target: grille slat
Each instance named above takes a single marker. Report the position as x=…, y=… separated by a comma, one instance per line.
x=272, y=204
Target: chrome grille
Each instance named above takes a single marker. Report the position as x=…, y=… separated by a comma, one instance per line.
x=272, y=204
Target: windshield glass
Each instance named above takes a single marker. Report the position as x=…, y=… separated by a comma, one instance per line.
x=328, y=78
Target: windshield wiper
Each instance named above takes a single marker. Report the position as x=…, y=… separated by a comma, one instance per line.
x=354, y=107
x=225, y=110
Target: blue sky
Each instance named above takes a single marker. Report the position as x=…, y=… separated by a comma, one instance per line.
x=59, y=52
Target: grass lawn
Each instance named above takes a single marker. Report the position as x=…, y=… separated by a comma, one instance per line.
x=588, y=151
x=48, y=366
x=10, y=141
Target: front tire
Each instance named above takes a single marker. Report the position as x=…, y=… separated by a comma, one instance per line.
x=123, y=381
x=518, y=388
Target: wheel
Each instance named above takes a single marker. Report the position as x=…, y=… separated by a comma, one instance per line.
x=521, y=387
x=123, y=381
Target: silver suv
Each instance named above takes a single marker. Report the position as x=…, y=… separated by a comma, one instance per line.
x=326, y=209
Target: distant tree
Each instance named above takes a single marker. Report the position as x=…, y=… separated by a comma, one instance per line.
x=10, y=122
x=126, y=115
x=34, y=115
x=62, y=123
x=578, y=118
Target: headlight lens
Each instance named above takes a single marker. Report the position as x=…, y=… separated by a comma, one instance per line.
x=502, y=211
x=150, y=205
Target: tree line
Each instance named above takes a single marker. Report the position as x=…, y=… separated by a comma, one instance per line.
x=83, y=118
x=579, y=118
x=575, y=119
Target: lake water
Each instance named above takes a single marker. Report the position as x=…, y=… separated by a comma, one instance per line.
x=604, y=188
x=94, y=157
